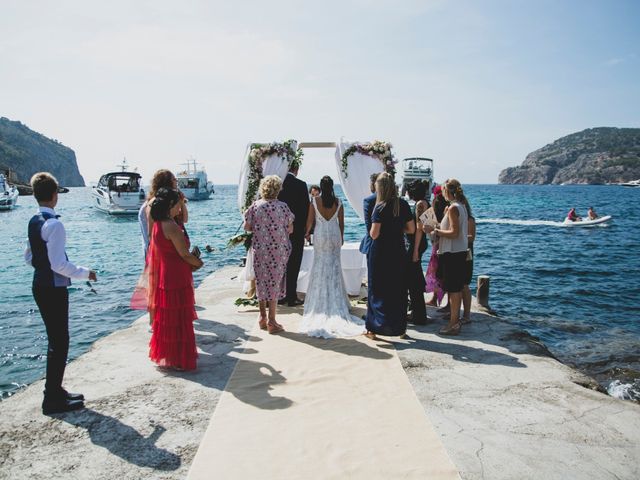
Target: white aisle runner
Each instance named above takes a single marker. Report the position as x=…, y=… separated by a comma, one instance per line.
x=310, y=408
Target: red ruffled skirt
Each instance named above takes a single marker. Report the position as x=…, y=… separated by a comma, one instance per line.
x=173, y=342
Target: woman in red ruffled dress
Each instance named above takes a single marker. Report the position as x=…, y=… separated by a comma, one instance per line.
x=170, y=290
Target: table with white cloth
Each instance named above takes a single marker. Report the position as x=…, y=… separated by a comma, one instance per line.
x=354, y=268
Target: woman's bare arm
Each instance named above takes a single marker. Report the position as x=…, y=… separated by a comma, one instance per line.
x=184, y=211
x=454, y=230
x=311, y=218
x=410, y=227
x=471, y=230
x=375, y=230
x=341, y=222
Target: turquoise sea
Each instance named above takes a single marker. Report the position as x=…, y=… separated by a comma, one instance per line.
x=576, y=289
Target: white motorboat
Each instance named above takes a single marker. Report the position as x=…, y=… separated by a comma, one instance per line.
x=416, y=168
x=632, y=183
x=119, y=193
x=193, y=182
x=586, y=222
x=8, y=194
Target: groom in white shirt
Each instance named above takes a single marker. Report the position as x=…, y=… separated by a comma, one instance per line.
x=51, y=276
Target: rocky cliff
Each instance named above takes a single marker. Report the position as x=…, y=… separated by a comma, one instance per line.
x=592, y=156
x=26, y=152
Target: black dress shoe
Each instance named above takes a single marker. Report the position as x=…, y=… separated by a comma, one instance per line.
x=282, y=301
x=61, y=406
x=295, y=303
x=73, y=396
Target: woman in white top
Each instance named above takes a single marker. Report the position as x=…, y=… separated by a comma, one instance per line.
x=453, y=238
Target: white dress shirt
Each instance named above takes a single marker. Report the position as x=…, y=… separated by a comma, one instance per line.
x=54, y=236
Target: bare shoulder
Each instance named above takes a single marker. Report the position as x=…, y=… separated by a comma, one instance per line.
x=169, y=227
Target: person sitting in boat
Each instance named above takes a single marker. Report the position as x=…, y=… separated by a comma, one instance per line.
x=592, y=214
x=573, y=216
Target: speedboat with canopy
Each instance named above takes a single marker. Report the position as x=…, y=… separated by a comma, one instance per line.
x=119, y=193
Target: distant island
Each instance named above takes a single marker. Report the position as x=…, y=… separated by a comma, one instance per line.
x=593, y=156
x=24, y=152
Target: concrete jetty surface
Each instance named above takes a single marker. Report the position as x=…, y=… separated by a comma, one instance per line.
x=501, y=406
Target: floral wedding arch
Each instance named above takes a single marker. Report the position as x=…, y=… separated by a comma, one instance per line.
x=355, y=162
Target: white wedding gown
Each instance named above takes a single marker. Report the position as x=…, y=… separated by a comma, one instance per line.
x=326, y=306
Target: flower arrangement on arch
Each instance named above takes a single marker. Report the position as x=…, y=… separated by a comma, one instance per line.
x=378, y=149
x=287, y=150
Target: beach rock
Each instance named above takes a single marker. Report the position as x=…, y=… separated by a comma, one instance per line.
x=24, y=152
x=592, y=156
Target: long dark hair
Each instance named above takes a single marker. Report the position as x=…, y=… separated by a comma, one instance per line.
x=417, y=190
x=164, y=201
x=439, y=205
x=327, y=194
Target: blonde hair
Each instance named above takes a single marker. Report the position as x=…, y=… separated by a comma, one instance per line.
x=270, y=187
x=386, y=192
x=454, y=189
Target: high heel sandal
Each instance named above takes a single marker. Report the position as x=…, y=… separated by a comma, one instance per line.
x=262, y=323
x=452, y=330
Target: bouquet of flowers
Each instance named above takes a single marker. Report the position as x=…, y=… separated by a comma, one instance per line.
x=378, y=149
x=241, y=239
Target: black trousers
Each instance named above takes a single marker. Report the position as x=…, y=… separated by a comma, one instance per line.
x=293, y=266
x=53, y=303
x=416, y=284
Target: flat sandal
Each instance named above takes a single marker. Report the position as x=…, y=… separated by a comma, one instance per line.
x=453, y=330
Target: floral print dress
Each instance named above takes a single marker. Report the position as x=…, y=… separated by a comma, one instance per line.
x=269, y=220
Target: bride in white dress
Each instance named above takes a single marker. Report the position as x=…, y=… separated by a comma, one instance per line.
x=326, y=305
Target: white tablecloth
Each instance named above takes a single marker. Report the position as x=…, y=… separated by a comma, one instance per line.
x=354, y=268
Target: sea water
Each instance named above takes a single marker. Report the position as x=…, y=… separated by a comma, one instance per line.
x=576, y=289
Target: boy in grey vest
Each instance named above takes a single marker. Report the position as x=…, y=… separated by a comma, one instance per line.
x=51, y=276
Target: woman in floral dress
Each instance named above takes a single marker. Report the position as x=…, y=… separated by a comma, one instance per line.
x=271, y=222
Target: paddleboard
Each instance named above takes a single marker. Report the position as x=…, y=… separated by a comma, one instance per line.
x=586, y=223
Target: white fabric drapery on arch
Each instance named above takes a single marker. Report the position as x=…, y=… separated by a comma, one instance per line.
x=272, y=165
x=356, y=184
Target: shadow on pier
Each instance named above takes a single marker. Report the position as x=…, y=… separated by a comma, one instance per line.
x=124, y=441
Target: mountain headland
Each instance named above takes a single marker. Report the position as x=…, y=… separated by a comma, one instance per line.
x=24, y=152
x=593, y=156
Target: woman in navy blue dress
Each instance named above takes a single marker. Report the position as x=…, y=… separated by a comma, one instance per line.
x=388, y=262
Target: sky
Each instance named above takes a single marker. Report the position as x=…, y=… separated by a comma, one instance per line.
x=474, y=84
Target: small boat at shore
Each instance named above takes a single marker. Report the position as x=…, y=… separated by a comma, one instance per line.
x=193, y=182
x=416, y=168
x=8, y=194
x=632, y=183
x=586, y=222
x=119, y=193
